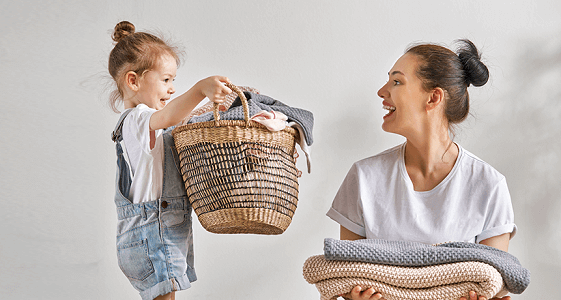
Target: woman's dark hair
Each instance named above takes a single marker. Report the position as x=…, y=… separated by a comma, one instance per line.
x=441, y=67
x=134, y=51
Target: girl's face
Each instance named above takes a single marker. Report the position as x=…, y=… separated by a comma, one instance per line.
x=155, y=87
x=404, y=97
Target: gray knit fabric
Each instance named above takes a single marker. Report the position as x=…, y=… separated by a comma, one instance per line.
x=257, y=103
x=412, y=254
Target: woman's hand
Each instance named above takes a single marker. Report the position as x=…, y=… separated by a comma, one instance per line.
x=358, y=294
x=473, y=296
x=214, y=89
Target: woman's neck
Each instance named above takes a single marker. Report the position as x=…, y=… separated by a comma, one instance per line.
x=429, y=159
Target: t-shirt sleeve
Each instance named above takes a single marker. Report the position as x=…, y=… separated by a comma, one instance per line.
x=140, y=123
x=346, y=208
x=500, y=214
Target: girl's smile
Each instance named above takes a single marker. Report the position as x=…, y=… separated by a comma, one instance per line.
x=155, y=87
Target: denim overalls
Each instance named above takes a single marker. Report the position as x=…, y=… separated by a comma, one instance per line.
x=154, y=239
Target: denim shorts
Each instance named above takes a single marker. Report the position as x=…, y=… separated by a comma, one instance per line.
x=154, y=246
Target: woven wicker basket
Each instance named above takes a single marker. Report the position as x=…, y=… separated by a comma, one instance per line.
x=240, y=177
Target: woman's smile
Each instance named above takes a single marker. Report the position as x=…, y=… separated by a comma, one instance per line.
x=388, y=107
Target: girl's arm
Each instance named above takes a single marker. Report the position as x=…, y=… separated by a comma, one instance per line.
x=179, y=108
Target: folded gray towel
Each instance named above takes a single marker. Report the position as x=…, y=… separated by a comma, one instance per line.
x=412, y=254
x=257, y=103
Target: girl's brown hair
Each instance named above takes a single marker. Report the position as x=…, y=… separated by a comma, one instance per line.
x=441, y=67
x=134, y=51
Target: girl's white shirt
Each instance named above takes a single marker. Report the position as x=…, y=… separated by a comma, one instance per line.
x=377, y=200
x=146, y=164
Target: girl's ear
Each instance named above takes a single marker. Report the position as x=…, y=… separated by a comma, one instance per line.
x=436, y=98
x=131, y=80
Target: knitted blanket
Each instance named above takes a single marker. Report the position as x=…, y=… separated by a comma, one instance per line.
x=258, y=102
x=412, y=254
x=443, y=282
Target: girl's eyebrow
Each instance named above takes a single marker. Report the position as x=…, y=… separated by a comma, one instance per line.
x=396, y=72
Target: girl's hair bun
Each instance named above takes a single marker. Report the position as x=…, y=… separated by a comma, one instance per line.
x=475, y=71
x=122, y=29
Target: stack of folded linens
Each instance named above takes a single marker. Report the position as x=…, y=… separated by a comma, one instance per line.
x=415, y=271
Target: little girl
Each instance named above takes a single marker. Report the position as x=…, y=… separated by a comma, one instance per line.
x=154, y=234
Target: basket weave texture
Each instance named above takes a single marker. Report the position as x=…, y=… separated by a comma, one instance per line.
x=239, y=176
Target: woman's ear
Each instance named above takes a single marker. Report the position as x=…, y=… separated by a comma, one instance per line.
x=131, y=80
x=436, y=98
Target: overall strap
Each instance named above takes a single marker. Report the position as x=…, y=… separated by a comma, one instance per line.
x=116, y=134
x=117, y=137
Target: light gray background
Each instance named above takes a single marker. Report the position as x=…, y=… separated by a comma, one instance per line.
x=57, y=161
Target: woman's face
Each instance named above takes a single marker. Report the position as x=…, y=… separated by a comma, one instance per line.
x=404, y=97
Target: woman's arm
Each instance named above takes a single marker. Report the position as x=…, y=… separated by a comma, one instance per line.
x=357, y=293
x=346, y=234
x=500, y=242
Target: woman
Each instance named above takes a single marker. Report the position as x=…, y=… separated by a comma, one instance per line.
x=428, y=189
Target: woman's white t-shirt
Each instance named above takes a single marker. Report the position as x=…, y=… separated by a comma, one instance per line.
x=146, y=163
x=377, y=200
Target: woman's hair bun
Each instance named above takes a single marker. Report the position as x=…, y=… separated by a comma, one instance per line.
x=122, y=29
x=475, y=71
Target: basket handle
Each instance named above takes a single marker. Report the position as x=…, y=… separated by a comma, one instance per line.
x=244, y=104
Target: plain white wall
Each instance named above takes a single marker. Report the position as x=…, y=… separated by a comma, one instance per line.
x=57, y=161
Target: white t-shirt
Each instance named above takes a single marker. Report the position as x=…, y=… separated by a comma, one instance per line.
x=377, y=200
x=146, y=163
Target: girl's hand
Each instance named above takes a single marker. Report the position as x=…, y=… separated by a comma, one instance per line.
x=214, y=89
x=473, y=296
x=358, y=294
